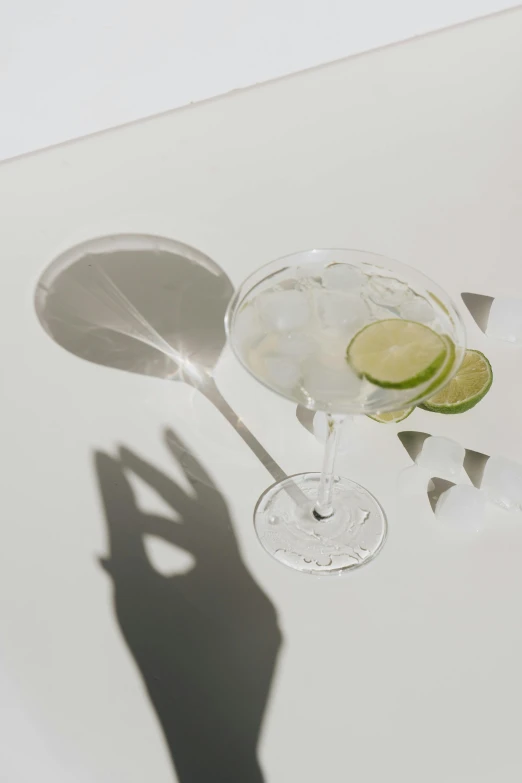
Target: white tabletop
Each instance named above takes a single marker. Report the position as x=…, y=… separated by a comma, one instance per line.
x=406, y=670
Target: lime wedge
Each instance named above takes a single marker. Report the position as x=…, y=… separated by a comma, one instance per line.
x=393, y=417
x=397, y=354
x=471, y=383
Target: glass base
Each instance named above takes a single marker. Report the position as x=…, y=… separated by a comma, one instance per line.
x=289, y=531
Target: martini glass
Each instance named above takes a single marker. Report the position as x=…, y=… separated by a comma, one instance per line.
x=290, y=324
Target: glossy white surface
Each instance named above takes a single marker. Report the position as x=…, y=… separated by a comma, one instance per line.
x=406, y=670
x=69, y=68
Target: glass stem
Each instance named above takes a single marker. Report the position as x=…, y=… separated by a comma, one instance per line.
x=323, y=506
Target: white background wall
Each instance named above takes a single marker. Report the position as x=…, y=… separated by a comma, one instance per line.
x=69, y=68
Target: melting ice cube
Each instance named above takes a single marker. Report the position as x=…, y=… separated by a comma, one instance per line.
x=441, y=457
x=417, y=309
x=387, y=291
x=282, y=373
x=296, y=345
x=328, y=383
x=310, y=275
x=343, y=277
x=341, y=311
x=505, y=319
x=502, y=482
x=462, y=507
x=284, y=311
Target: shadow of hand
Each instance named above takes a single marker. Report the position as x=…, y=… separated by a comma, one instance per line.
x=205, y=641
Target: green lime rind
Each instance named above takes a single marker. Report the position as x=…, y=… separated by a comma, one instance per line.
x=392, y=418
x=445, y=371
x=466, y=389
x=396, y=353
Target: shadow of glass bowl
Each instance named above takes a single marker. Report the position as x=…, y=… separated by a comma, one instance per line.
x=147, y=305
x=144, y=304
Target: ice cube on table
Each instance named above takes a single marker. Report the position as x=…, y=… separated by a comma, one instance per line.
x=341, y=311
x=505, y=319
x=462, y=507
x=442, y=457
x=320, y=428
x=343, y=277
x=502, y=482
x=417, y=309
x=282, y=372
x=284, y=311
x=414, y=481
x=387, y=291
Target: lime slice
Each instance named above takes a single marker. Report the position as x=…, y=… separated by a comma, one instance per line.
x=397, y=354
x=471, y=383
x=393, y=417
x=444, y=371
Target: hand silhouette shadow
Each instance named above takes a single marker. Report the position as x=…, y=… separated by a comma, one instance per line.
x=205, y=641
